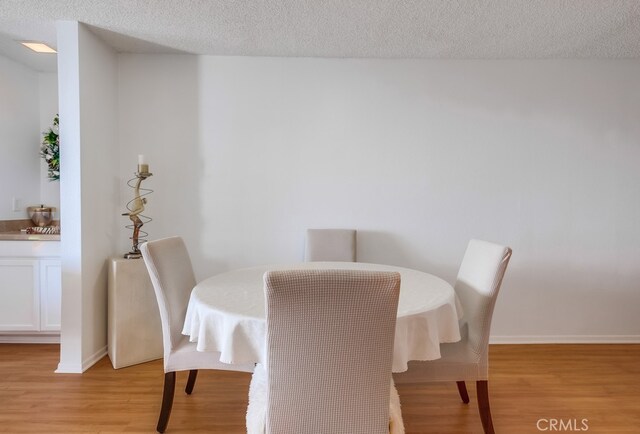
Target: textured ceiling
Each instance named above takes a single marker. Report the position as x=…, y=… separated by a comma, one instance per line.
x=344, y=28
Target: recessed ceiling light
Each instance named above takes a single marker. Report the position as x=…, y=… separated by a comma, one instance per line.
x=38, y=47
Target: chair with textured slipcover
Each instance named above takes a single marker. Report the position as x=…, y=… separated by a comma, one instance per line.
x=171, y=274
x=477, y=287
x=330, y=245
x=330, y=337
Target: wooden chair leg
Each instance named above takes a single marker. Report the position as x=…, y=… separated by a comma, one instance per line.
x=167, y=401
x=482, y=387
x=191, y=381
x=462, y=389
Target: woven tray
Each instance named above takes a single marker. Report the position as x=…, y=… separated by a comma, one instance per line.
x=48, y=230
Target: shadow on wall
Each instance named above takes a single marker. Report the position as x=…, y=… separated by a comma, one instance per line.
x=159, y=117
x=380, y=247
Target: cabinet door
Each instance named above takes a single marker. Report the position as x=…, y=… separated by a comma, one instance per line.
x=19, y=295
x=50, y=294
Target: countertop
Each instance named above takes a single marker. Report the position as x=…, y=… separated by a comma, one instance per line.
x=21, y=236
x=10, y=230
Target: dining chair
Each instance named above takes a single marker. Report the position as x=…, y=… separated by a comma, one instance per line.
x=330, y=245
x=329, y=350
x=477, y=287
x=172, y=276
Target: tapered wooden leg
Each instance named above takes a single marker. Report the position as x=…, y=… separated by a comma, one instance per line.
x=191, y=381
x=462, y=388
x=167, y=401
x=482, y=388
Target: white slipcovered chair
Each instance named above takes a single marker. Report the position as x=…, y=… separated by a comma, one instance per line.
x=477, y=286
x=330, y=245
x=171, y=273
x=329, y=350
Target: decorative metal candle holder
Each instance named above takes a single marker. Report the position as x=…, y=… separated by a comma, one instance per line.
x=136, y=207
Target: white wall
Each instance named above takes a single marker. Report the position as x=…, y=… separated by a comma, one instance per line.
x=70, y=194
x=48, y=96
x=162, y=91
x=100, y=184
x=19, y=139
x=89, y=190
x=419, y=156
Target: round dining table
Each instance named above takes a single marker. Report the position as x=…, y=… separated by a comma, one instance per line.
x=226, y=313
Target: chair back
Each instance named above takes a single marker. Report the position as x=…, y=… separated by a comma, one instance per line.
x=330, y=245
x=330, y=340
x=477, y=286
x=171, y=274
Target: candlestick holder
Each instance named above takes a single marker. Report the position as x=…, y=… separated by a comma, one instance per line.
x=136, y=207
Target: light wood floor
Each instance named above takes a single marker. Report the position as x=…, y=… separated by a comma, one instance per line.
x=600, y=383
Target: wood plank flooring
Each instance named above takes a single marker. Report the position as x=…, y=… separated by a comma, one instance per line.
x=600, y=383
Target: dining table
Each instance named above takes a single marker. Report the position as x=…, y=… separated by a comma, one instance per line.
x=226, y=313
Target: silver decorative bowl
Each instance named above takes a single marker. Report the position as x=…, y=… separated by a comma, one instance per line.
x=41, y=216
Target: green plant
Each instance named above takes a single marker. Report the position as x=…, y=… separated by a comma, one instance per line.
x=50, y=150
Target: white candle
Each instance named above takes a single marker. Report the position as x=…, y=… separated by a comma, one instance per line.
x=142, y=166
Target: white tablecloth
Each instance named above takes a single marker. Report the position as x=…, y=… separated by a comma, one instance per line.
x=226, y=313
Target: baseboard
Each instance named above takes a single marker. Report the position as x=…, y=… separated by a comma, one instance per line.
x=94, y=358
x=69, y=368
x=74, y=368
x=35, y=338
x=566, y=339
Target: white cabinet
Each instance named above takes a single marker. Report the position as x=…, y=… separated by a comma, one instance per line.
x=30, y=293
x=19, y=295
x=135, y=331
x=50, y=294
